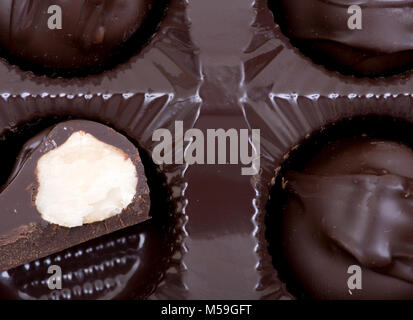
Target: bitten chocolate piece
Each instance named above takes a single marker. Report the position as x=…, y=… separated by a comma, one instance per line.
x=352, y=205
x=383, y=45
x=93, y=31
x=71, y=183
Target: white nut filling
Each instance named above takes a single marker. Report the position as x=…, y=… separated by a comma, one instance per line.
x=84, y=180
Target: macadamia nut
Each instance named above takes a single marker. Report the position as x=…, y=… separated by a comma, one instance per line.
x=84, y=180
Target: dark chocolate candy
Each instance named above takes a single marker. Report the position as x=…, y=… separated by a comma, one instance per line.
x=24, y=234
x=93, y=32
x=320, y=29
x=352, y=205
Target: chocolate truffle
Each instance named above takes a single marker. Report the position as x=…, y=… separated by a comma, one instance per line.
x=381, y=43
x=352, y=205
x=71, y=183
x=92, y=32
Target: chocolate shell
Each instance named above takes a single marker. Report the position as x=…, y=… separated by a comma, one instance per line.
x=380, y=45
x=91, y=36
x=353, y=208
x=25, y=235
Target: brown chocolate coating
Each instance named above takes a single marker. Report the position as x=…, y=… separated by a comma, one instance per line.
x=24, y=235
x=93, y=31
x=352, y=205
x=383, y=46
